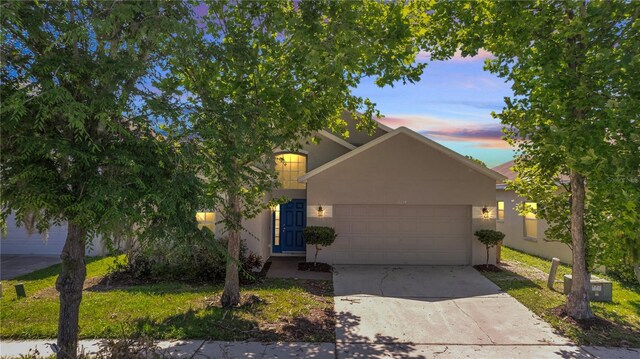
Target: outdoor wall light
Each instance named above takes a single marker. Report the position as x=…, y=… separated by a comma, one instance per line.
x=320, y=211
x=485, y=212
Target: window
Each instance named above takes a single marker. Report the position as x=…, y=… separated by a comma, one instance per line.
x=290, y=166
x=500, y=214
x=206, y=219
x=530, y=221
x=276, y=226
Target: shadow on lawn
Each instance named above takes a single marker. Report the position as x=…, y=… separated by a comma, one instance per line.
x=315, y=287
x=511, y=279
x=230, y=325
x=211, y=321
x=613, y=329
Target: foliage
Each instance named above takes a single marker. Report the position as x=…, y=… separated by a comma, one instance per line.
x=199, y=260
x=250, y=77
x=78, y=144
x=574, y=71
x=168, y=310
x=476, y=160
x=618, y=323
x=489, y=238
x=319, y=236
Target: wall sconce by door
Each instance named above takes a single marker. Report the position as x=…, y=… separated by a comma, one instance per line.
x=320, y=211
x=485, y=212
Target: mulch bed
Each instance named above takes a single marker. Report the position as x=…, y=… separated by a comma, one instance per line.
x=318, y=267
x=586, y=324
x=487, y=268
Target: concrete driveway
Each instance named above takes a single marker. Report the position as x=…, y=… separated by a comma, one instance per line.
x=421, y=311
x=15, y=265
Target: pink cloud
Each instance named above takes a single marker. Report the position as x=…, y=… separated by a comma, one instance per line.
x=415, y=122
x=481, y=56
x=479, y=136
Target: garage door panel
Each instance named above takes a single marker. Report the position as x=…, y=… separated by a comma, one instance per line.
x=365, y=243
x=399, y=234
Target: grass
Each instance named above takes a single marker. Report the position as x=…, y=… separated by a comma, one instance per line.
x=287, y=309
x=524, y=278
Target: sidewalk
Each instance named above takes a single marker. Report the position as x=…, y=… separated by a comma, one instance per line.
x=187, y=348
x=233, y=350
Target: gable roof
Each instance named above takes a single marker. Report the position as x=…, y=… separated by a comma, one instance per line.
x=336, y=139
x=506, y=169
x=403, y=130
x=383, y=127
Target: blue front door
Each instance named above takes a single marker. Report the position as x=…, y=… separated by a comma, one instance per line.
x=293, y=219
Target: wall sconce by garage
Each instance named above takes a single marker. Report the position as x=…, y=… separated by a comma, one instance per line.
x=320, y=211
x=485, y=212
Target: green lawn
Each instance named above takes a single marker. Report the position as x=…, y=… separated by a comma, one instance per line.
x=524, y=279
x=294, y=310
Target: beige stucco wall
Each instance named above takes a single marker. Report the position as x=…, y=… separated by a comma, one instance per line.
x=513, y=228
x=261, y=227
x=322, y=152
x=403, y=170
x=256, y=233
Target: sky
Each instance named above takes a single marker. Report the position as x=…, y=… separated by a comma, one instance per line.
x=451, y=104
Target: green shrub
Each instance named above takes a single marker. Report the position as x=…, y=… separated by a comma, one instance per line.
x=199, y=259
x=319, y=236
x=489, y=238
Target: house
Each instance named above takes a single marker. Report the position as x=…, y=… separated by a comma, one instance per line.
x=393, y=197
x=18, y=241
x=524, y=233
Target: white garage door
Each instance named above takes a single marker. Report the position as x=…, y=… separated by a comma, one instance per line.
x=19, y=241
x=402, y=234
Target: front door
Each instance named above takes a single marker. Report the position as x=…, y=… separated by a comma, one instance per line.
x=293, y=219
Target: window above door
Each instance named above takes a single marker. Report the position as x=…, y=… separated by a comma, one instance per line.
x=290, y=166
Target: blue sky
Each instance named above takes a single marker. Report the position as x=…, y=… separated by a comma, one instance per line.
x=451, y=104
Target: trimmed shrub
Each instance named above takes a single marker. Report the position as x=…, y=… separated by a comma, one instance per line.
x=319, y=236
x=489, y=238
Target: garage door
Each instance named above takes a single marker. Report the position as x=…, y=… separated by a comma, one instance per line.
x=19, y=241
x=402, y=234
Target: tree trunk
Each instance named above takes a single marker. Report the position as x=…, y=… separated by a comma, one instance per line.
x=315, y=259
x=578, y=300
x=231, y=294
x=69, y=285
x=487, y=255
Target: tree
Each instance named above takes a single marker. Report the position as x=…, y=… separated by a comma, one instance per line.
x=257, y=76
x=574, y=116
x=489, y=238
x=319, y=236
x=77, y=146
x=480, y=162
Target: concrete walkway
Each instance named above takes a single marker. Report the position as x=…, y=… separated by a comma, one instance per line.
x=287, y=267
x=15, y=265
x=191, y=349
x=233, y=350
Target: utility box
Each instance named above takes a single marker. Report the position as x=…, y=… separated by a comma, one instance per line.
x=600, y=290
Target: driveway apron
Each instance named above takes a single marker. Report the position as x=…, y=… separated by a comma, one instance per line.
x=406, y=307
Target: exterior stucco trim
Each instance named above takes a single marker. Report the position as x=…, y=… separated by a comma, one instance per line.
x=384, y=127
x=403, y=130
x=336, y=139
